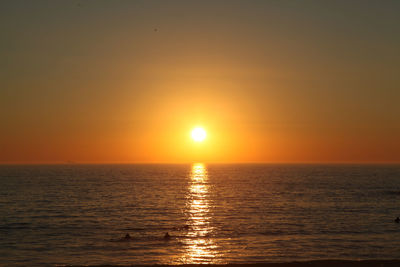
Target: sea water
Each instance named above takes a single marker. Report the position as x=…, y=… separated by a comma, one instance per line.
x=79, y=214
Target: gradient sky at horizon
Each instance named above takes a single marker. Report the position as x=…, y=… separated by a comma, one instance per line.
x=270, y=81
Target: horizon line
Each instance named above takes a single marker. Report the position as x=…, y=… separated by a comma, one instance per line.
x=211, y=162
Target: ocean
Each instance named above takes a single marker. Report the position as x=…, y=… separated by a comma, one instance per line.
x=238, y=213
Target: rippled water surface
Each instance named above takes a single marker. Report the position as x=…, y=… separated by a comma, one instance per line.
x=79, y=214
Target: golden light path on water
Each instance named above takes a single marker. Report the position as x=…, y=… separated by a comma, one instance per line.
x=199, y=245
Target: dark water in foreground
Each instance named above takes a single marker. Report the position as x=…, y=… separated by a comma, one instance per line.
x=76, y=214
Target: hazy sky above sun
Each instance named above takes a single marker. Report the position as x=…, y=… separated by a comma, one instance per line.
x=269, y=81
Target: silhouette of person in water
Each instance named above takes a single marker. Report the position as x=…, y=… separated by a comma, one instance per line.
x=397, y=220
x=167, y=236
x=127, y=237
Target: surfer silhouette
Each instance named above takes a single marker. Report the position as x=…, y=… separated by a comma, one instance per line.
x=127, y=237
x=167, y=236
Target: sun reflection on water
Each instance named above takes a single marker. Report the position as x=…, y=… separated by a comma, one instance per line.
x=199, y=244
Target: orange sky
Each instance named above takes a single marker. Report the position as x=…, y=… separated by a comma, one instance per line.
x=269, y=81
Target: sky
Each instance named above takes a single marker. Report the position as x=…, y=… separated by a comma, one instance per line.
x=270, y=81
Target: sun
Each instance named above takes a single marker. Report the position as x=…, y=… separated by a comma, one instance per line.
x=199, y=134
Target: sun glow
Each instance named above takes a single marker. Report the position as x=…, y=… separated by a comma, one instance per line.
x=199, y=134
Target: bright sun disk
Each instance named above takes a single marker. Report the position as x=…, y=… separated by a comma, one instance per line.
x=198, y=134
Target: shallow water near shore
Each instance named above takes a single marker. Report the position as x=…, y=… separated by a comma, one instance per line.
x=79, y=214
